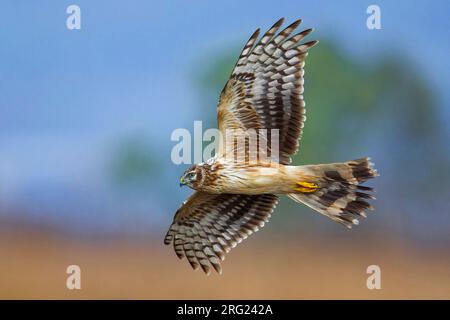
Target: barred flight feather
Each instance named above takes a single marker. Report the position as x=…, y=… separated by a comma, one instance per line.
x=208, y=226
x=266, y=86
x=339, y=195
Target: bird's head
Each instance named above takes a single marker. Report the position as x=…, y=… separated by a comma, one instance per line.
x=192, y=177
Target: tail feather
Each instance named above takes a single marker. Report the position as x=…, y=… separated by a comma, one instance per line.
x=339, y=194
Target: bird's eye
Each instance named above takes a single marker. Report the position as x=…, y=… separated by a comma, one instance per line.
x=192, y=175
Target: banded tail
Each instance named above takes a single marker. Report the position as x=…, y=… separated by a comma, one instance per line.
x=334, y=189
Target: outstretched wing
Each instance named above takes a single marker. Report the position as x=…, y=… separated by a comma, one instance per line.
x=265, y=88
x=207, y=226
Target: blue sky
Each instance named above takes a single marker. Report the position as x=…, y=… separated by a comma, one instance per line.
x=67, y=96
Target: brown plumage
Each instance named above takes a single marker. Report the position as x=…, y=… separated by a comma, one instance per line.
x=236, y=191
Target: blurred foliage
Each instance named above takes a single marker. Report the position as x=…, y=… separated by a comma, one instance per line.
x=380, y=107
x=134, y=162
x=355, y=108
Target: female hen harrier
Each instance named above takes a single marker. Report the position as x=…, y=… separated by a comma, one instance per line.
x=234, y=199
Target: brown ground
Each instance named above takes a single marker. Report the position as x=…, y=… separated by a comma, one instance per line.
x=33, y=266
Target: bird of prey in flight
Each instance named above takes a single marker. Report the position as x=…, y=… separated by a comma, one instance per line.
x=233, y=199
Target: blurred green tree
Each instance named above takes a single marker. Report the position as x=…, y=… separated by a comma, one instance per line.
x=134, y=163
x=381, y=107
x=349, y=102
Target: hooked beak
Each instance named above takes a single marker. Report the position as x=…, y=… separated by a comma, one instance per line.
x=182, y=181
